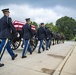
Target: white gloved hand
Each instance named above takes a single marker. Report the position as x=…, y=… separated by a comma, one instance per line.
x=18, y=35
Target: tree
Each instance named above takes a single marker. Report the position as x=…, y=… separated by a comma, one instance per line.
x=66, y=25
x=49, y=25
x=35, y=24
x=55, y=29
x=52, y=27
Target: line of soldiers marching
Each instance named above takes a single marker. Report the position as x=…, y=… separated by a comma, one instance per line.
x=6, y=28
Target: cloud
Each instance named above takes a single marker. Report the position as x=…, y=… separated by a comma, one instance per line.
x=41, y=3
x=20, y=12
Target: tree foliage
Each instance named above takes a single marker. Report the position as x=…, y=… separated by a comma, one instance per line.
x=52, y=27
x=35, y=24
x=67, y=26
x=64, y=25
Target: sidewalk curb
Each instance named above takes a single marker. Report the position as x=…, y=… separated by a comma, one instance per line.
x=61, y=66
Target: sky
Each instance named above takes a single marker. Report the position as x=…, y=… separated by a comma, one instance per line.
x=39, y=10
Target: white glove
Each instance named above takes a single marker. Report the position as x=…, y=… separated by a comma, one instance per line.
x=18, y=35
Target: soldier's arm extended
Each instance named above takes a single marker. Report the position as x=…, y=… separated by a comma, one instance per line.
x=11, y=25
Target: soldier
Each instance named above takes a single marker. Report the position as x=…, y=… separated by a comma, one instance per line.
x=27, y=35
x=57, y=37
x=41, y=35
x=1, y=64
x=5, y=34
x=48, y=37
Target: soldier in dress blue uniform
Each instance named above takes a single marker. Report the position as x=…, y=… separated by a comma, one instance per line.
x=1, y=64
x=41, y=35
x=27, y=35
x=48, y=37
x=5, y=34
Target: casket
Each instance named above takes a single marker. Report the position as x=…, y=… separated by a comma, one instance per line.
x=18, y=25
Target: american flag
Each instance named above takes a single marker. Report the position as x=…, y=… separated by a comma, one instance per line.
x=18, y=25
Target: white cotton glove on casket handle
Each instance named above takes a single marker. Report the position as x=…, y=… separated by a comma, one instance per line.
x=18, y=35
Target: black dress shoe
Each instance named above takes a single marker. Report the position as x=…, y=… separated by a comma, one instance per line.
x=24, y=56
x=39, y=52
x=14, y=56
x=47, y=49
x=1, y=65
x=44, y=49
x=30, y=53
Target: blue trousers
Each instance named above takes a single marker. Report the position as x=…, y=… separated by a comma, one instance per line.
x=48, y=43
x=27, y=46
x=22, y=43
x=5, y=44
x=41, y=45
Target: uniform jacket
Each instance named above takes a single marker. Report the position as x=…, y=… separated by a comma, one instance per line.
x=48, y=34
x=27, y=32
x=41, y=33
x=5, y=27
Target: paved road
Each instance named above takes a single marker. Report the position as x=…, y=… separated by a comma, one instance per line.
x=68, y=65
x=37, y=64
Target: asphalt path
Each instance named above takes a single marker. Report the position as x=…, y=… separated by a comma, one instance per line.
x=45, y=63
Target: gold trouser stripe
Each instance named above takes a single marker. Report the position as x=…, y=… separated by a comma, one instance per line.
x=4, y=46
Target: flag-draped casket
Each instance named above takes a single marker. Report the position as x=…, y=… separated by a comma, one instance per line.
x=18, y=25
